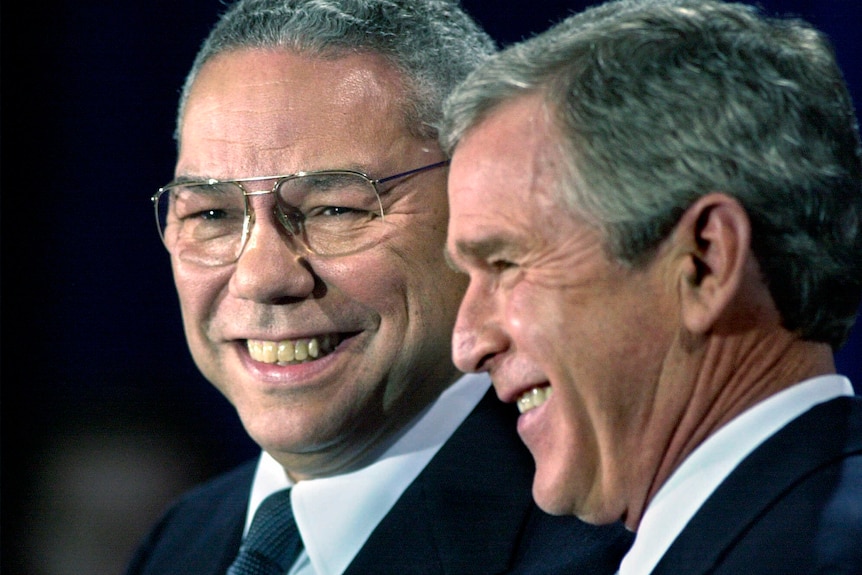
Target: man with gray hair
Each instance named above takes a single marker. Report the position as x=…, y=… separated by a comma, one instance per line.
x=658, y=204
x=305, y=226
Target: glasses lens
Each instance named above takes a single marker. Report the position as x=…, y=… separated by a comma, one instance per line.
x=338, y=212
x=332, y=213
x=202, y=223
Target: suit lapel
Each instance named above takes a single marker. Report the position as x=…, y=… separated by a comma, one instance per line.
x=806, y=443
x=463, y=512
x=202, y=533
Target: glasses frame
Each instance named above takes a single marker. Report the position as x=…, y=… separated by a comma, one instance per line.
x=290, y=226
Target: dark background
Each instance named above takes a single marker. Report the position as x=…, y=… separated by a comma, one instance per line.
x=104, y=415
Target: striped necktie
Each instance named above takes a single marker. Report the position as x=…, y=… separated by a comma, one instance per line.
x=273, y=542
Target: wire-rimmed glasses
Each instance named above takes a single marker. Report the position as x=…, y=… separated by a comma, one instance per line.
x=331, y=212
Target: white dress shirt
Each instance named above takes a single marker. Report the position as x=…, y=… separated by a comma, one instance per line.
x=707, y=466
x=335, y=515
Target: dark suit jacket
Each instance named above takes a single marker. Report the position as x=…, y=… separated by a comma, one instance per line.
x=469, y=512
x=793, y=506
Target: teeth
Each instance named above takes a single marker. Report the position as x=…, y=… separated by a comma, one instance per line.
x=300, y=352
x=533, y=398
x=291, y=351
x=286, y=351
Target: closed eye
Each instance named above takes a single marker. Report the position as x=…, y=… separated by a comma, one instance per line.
x=500, y=265
x=334, y=211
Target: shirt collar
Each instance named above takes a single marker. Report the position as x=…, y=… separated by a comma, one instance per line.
x=335, y=515
x=707, y=466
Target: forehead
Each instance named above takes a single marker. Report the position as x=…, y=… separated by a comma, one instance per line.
x=505, y=169
x=256, y=111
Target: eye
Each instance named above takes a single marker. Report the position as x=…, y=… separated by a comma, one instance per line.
x=205, y=212
x=341, y=196
x=501, y=265
x=208, y=215
x=337, y=211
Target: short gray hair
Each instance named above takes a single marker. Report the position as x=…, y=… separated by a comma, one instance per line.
x=658, y=102
x=433, y=43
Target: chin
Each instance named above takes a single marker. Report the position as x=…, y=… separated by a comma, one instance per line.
x=549, y=499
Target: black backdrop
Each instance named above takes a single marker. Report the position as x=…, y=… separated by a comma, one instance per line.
x=98, y=386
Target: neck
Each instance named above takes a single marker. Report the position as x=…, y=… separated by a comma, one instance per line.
x=731, y=374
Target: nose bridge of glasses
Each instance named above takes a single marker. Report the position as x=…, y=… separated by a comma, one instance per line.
x=288, y=218
x=250, y=193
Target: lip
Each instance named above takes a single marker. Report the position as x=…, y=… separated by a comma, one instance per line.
x=511, y=393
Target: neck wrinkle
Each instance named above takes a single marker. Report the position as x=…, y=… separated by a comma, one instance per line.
x=733, y=374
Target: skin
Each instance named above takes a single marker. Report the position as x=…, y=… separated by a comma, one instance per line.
x=257, y=113
x=643, y=363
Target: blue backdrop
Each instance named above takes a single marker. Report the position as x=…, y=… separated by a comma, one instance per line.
x=93, y=337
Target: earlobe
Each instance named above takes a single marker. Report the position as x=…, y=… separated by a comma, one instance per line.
x=713, y=237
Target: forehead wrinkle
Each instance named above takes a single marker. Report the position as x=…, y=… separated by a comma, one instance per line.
x=271, y=112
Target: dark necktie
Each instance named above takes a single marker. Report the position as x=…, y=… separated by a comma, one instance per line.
x=273, y=541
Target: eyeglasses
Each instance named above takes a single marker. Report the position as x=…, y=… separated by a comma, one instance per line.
x=331, y=212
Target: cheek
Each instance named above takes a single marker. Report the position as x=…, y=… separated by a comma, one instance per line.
x=378, y=284
x=199, y=291
x=371, y=278
x=199, y=296
x=432, y=285
x=538, y=318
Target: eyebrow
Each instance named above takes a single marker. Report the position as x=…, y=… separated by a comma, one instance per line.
x=482, y=248
x=186, y=179
x=476, y=249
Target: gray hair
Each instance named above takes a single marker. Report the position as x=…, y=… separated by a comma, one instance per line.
x=658, y=102
x=433, y=43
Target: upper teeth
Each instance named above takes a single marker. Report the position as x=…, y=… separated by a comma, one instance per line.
x=533, y=398
x=290, y=351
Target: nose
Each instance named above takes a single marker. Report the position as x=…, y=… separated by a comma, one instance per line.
x=478, y=338
x=272, y=266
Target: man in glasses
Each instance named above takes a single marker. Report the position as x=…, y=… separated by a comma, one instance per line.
x=305, y=225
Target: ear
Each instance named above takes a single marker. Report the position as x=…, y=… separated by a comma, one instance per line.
x=713, y=239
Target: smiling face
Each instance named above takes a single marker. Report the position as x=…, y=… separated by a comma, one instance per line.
x=378, y=320
x=577, y=339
